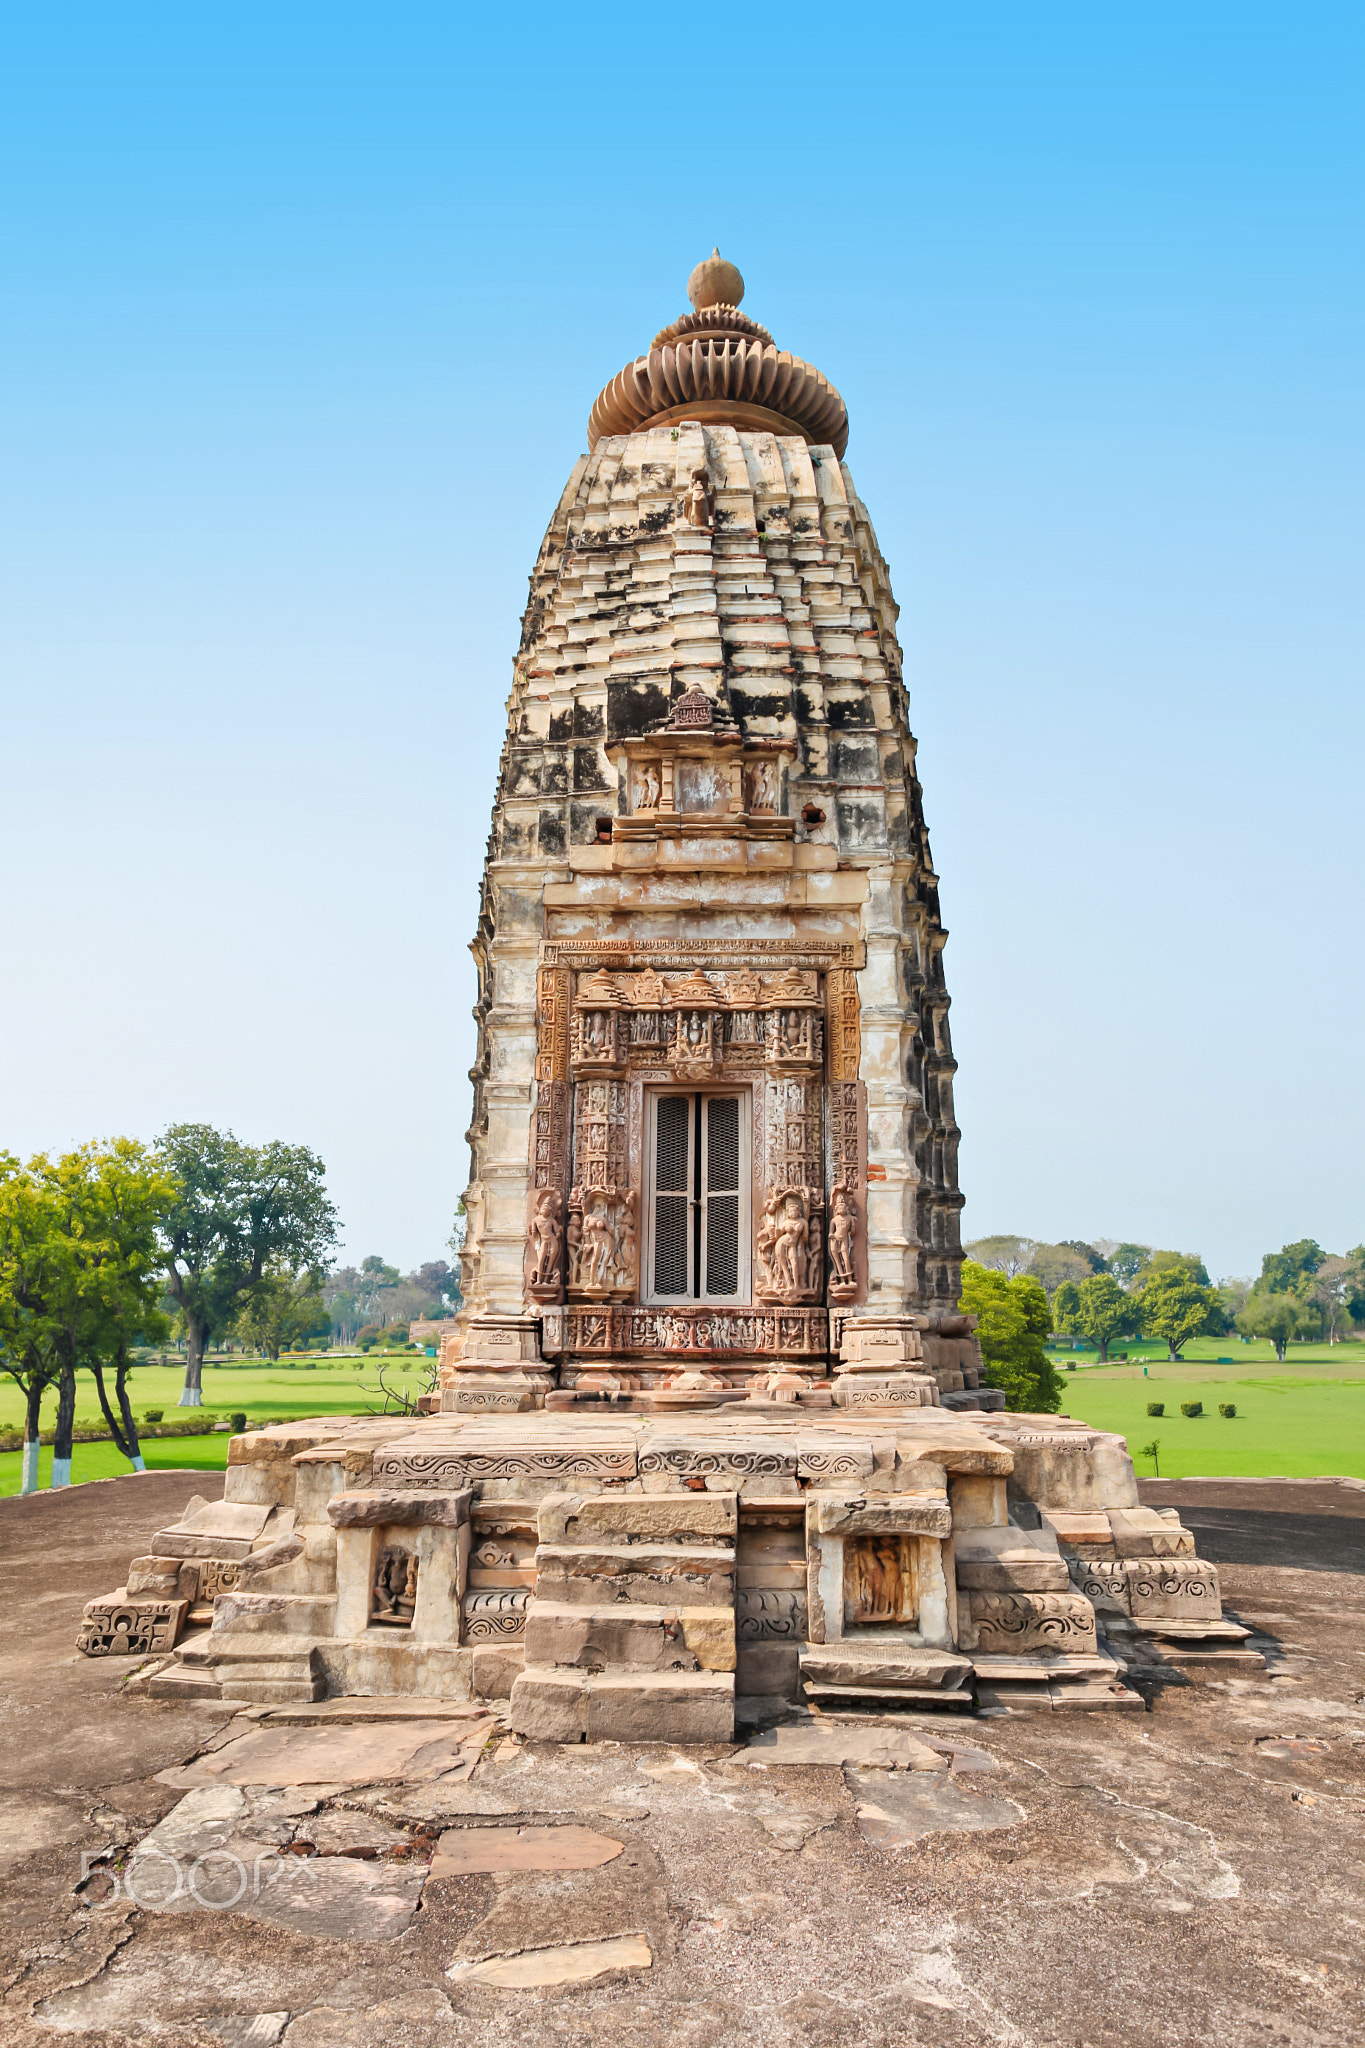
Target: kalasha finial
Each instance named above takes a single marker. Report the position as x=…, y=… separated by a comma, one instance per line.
x=715, y=283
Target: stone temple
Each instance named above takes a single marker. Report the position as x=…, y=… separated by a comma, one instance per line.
x=711, y=1430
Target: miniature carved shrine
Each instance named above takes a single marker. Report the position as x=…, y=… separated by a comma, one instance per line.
x=710, y=1422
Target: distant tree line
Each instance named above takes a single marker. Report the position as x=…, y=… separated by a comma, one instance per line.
x=1106, y=1291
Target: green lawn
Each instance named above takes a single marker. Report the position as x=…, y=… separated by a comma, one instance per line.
x=336, y=1385
x=1302, y=1417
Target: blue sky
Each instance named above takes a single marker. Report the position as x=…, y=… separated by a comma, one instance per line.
x=301, y=315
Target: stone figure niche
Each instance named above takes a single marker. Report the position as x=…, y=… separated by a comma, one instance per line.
x=394, y=1598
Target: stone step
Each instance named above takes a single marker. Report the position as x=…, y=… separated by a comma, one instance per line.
x=553, y=1705
x=184, y=1685
x=629, y=1635
x=852, y=1665
x=695, y=1574
x=872, y=1696
x=1005, y=1559
x=1094, y=1683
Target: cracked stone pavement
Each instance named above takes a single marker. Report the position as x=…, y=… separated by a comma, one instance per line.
x=1191, y=1874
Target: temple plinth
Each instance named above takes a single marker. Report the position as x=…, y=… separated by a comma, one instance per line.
x=711, y=1425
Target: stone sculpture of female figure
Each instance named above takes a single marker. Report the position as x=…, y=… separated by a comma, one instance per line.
x=842, y=1216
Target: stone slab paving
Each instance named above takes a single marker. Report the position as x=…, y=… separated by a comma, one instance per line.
x=1188, y=1874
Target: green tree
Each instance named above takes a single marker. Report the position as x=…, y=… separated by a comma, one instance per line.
x=1012, y=1323
x=1098, y=1310
x=79, y=1286
x=1289, y=1270
x=1279, y=1316
x=1175, y=1306
x=1331, y=1289
x=116, y=1197
x=238, y=1210
x=282, y=1308
x=1127, y=1262
x=29, y=1327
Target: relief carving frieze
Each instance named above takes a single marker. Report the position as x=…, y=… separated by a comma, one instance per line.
x=620, y=1331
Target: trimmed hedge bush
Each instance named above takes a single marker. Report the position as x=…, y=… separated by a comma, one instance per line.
x=1156, y=1407
x=152, y=1414
x=1191, y=1407
x=238, y=1420
x=1227, y=1409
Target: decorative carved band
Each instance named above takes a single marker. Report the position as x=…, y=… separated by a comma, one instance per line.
x=470, y=1468
x=767, y=1615
x=496, y=1617
x=619, y=1331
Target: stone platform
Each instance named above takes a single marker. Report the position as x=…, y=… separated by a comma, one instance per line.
x=633, y=1576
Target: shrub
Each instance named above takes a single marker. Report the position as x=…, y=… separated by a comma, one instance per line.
x=1156, y=1407
x=1227, y=1409
x=152, y=1414
x=238, y=1420
x=1191, y=1407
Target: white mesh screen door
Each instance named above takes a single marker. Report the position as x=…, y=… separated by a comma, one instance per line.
x=698, y=1209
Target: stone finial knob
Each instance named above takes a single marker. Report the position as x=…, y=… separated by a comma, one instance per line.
x=715, y=283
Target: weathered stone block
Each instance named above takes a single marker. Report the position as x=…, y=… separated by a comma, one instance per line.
x=374, y=1507
x=771, y=1669
x=163, y=1578
x=629, y=1637
x=978, y=1501
x=496, y=1669
x=678, y=1574
x=925, y=1514
x=687, y=1517
x=1009, y=1560
x=1142, y=1532
x=646, y=1706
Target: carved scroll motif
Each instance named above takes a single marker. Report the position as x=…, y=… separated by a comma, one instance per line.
x=769, y=1615
x=495, y=1617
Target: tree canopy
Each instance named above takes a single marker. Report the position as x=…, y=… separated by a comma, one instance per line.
x=1013, y=1319
x=1176, y=1306
x=1098, y=1310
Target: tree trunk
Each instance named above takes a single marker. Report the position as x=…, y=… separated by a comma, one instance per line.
x=1281, y=1346
x=1103, y=1358
x=66, y=1422
x=125, y=1407
x=33, y=1409
x=1175, y=1355
x=196, y=1339
x=124, y=1433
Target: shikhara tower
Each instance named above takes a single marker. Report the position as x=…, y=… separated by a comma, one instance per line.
x=713, y=1098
